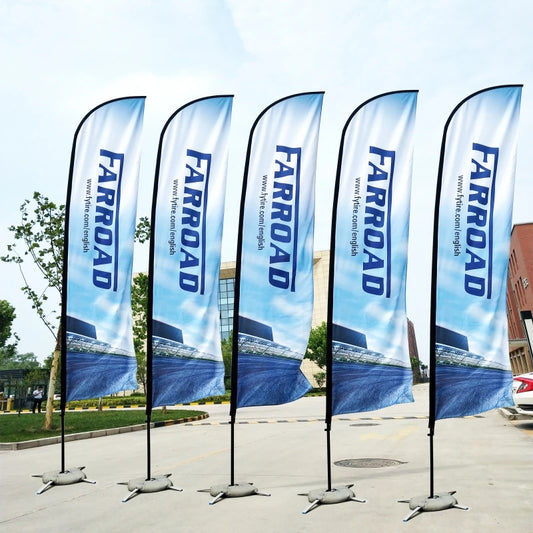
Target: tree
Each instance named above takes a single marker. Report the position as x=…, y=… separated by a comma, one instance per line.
x=142, y=230
x=7, y=315
x=316, y=351
x=20, y=360
x=227, y=352
x=39, y=238
x=316, y=347
x=139, y=306
x=40, y=235
x=7, y=351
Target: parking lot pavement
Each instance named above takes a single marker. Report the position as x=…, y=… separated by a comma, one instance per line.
x=282, y=450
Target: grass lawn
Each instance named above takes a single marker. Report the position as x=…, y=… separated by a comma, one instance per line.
x=28, y=426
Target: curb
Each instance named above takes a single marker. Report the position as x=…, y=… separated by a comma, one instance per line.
x=511, y=414
x=12, y=446
x=112, y=407
x=507, y=414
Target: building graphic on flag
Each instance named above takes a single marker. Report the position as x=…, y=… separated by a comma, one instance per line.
x=167, y=341
x=452, y=349
x=256, y=338
x=82, y=338
x=350, y=346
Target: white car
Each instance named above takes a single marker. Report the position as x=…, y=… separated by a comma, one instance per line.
x=523, y=393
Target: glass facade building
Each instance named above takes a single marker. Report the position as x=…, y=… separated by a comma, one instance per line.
x=226, y=302
x=226, y=298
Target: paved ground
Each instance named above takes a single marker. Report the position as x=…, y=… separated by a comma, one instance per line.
x=487, y=459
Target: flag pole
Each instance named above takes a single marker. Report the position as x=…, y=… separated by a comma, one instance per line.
x=66, y=476
x=331, y=495
x=433, y=318
x=329, y=326
x=234, y=489
x=350, y=152
x=445, y=500
x=441, y=501
x=238, y=489
x=331, y=282
x=231, y=489
x=149, y=359
x=63, y=377
x=236, y=306
x=234, y=351
x=149, y=311
x=151, y=483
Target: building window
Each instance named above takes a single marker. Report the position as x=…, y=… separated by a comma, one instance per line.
x=226, y=298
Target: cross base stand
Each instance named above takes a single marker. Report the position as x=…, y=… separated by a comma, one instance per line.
x=154, y=484
x=68, y=477
x=232, y=491
x=438, y=502
x=335, y=495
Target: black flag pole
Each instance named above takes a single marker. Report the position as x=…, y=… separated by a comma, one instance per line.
x=237, y=489
x=138, y=485
x=152, y=483
x=233, y=489
x=221, y=491
x=63, y=476
x=433, y=316
x=343, y=493
x=446, y=500
x=66, y=476
x=329, y=326
x=149, y=483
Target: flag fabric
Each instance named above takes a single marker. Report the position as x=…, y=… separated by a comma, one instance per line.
x=474, y=209
x=367, y=326
x=187, y=219
x=274, y=282
x=100, y=226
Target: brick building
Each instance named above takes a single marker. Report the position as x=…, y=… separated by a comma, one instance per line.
x=520, y=297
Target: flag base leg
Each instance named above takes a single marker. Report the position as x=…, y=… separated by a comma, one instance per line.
x=68, y=477
x=335, y=495
x=155, y=484
x=438, y=502
x=233, y=491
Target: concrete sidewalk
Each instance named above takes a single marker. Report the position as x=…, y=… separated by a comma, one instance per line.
x=487, y=459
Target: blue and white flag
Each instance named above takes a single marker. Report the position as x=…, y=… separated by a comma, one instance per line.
x=187, y=219
x=274, y=299
x=474, y=208
x=100, y=226
x=370, y=364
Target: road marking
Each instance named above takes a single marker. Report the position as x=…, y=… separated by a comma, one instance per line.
x=292, y=420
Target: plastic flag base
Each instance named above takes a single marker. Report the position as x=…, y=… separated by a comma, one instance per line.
x=438, y=502
x=68, y=477
x=232, y=491
x=154, y=484
x=335, y=495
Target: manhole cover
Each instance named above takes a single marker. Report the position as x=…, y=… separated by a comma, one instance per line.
x=362, y=424
x=368, y=463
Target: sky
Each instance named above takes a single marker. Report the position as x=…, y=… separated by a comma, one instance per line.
x=60, y=59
